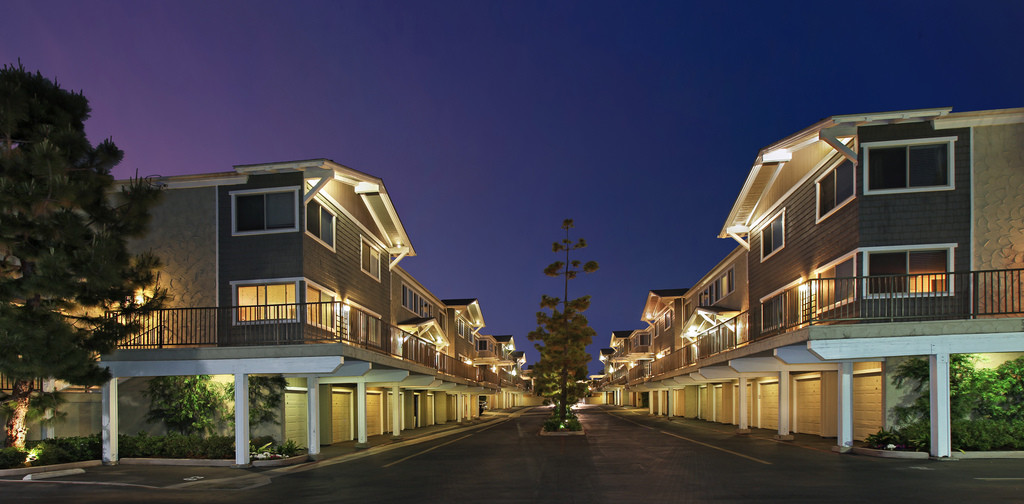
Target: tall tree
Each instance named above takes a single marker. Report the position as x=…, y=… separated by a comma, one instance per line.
x=565, y=333
x=64, y=262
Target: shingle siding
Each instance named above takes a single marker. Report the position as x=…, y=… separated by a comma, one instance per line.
x=341, y=270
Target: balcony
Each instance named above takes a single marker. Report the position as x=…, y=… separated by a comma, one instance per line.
x=865, y=299
x=292, y=324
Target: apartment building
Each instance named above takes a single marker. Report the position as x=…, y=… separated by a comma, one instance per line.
x=293, y=268
x=864, y=239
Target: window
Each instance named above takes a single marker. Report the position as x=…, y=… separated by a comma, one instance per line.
x=482, y=345
x=835, y=188
x=370, y=259
x=909, y=271
x=258, y=302
x=730, y=281
x=461, y=327
x=320, y=223
x=773, y=236
x=644, y=339
x=320, y=308
x=264, y=212
x=667, y=322
x=924, y=164
x=415, y=303
x=836, y=283
x=368, y=329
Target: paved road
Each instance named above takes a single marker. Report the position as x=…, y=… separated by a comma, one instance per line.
x=625, y=457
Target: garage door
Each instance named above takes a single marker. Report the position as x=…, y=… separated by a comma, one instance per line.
x=867, y=405
x=341, y=416
x=373, y=423
x=295, y=417
x=718, y=404
x=808, y=406
x=768, y=400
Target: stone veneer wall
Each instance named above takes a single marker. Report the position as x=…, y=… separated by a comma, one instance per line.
x=998, y=197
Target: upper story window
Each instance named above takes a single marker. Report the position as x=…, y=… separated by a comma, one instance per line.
x=416, y=303
x=836, y=283
x=644, y=339
x=369, y=259
x=667, y=321
x=265, y=211
x=729, y=282
x=908, y=165
x=460, y=326
x=835, y=188
x=483, y=345
x=914, y=271
x=320, y=223
x=773, y=235
x=265, y=301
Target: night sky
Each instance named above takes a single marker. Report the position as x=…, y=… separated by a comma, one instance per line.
x=490, y=122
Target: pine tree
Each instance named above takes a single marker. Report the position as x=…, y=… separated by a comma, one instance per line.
x=565, y=333
x=64, y=262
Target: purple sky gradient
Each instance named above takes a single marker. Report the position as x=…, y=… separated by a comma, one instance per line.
x=490, y=122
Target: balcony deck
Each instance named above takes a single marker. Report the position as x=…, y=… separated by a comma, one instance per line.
x=856, y=300
x=297, y=324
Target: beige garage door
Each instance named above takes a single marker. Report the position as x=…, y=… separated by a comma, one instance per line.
x=373, y=423
x=341, y=416
x=295, y=417
x=768, y=400
x=808, y=406
x=718, y=404
x=867, y=405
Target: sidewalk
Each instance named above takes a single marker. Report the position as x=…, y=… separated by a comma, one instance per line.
x=155, y=475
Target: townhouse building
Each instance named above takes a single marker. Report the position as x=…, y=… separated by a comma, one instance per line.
x=293, y=268
x=865, y=239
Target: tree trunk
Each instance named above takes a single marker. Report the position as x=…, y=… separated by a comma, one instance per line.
x=16, y=428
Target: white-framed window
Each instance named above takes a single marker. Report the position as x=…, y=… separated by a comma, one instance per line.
x=667, y=320
x=918, y=270
x=729, y=284
x=264, y=211
x=321, y=306
x=369, y=260
x=644, y=339
x=835, y=188
x=773, y=235
x=414, y=302
x=483, y=345
x=320, y=223
x=265, y=300
x=836, y=284
x=460, y=326
x=924, y=164
x=782, y=308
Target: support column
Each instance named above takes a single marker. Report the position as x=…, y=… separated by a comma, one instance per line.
x=361, y=415
x=844, y=417
x=241, y=420
x=109, y=422
x=784, y=407
x=650, y=402
x=458, y=407
x=670, y=402
x=744, y=423
x=313, y=416
x=396, y=412
x=938, y=383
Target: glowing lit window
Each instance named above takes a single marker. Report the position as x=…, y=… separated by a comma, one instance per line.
x=836, y=284
x=266, y=302
x=320, y=308
x=909, y=271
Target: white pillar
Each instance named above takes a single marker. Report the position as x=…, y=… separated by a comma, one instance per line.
x=844, y=428
x=313, y=416
x=940, y=422
x=784, y=406
x=650, y=402
x=458, y=407
x=396, y=412
x=361, y=415
x=744, y=422
x=241, y=419
x=109, y=422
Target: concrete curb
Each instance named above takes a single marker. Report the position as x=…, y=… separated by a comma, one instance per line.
x=177, y=462
x=563, y=433
x=298, y=459
x=52, y=474
x=21, y=471
x=871, y=452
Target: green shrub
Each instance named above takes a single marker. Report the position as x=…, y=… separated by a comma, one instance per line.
x=551, y=424
x=49, y=454
x=177, y=446
x=288, y=449
x=11, y=457
x=882, y=439
x=573, y=424
x=219, y=447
